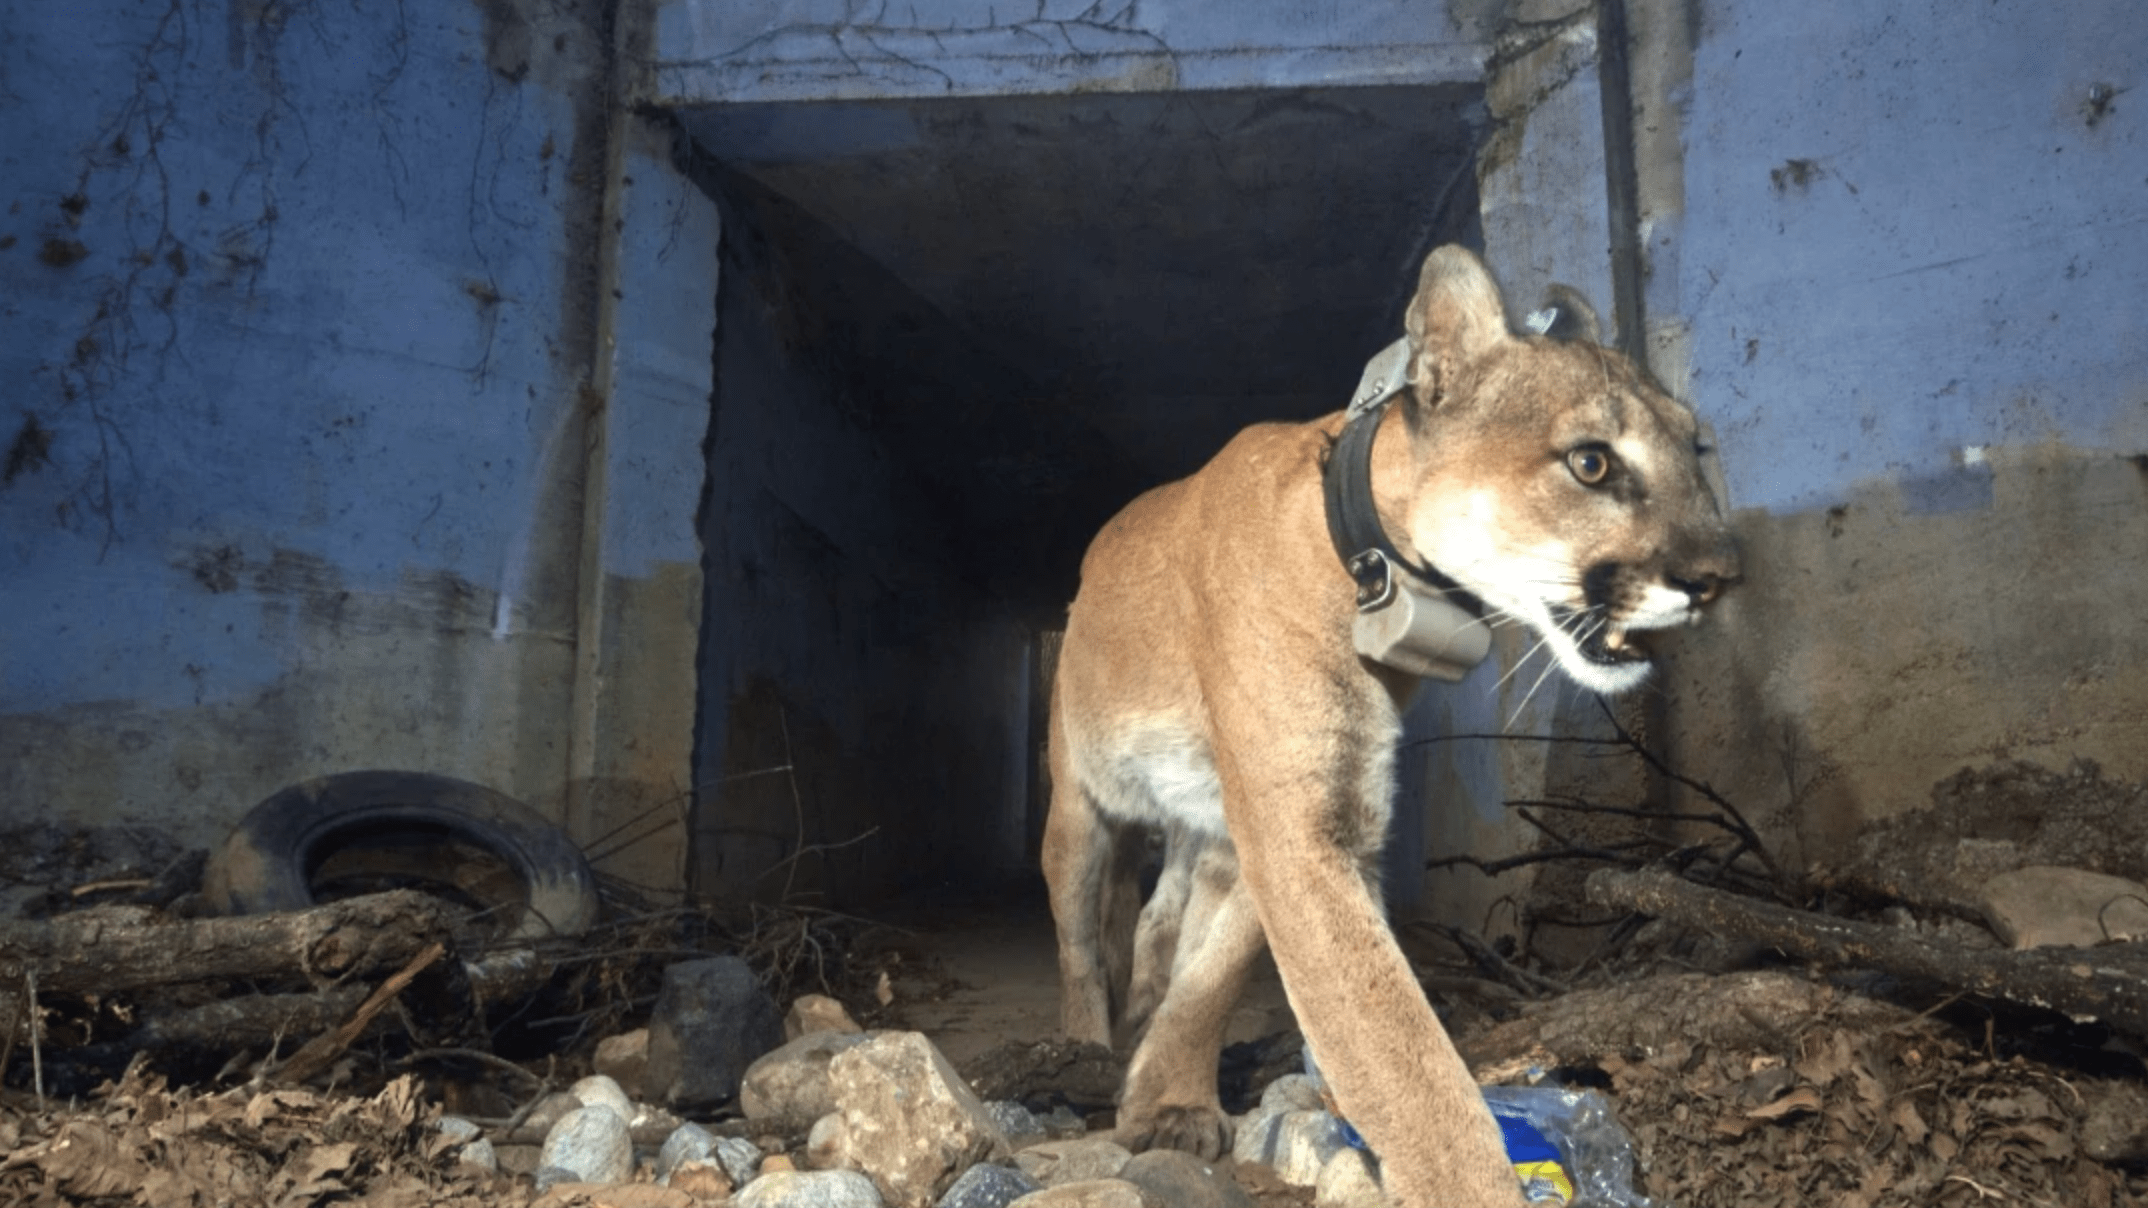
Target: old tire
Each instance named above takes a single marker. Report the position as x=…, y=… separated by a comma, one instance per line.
x=274, y=855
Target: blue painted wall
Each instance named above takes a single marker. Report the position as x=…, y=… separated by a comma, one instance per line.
x=261, y=295
x=1909, y=280
x=745, y=51
x=299, y=320
x=303, y=312
x=1911, y=228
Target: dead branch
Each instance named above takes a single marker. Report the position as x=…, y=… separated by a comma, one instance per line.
x=1495, y=966
x=2109, y=982
x=1493, y=868
x=37, y=1027
x=251, y=1021
x=325, y=1048
x=1755, y=1010
x=1750, y=838
x=125, y=947
x=1635, y=853
x=478, y=1057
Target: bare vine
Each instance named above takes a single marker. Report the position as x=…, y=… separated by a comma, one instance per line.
x=1740, y=856
x=133, y=332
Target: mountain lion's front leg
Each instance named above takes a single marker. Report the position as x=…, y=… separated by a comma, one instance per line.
x=1395, y=1074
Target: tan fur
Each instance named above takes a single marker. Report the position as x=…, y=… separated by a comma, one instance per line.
x=1208, y=684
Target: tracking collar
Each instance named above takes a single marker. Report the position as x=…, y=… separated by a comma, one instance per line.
x=1410, y=616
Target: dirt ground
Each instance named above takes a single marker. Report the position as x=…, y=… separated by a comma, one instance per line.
x=1741, y=1080
x=1818, y=1095
x=1822, y=1095
x=997, y=979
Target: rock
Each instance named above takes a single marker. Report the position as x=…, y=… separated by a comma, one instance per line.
x=741, y=1158
x=597, y=1090
x=1056, y=1162
x=1019, y=1123
x=1259, y=1131
x=1254, y=1140
x=702, y=1178
x=1166, y=1176
x=478, y=1153
x=458, y=1130
x=812, y=1013
x=1061, y=1124
x=624, y=1058
x=687, y=1143
x=1096, y=1193
x=591, y=1144
x=649, y=1118
x=548, y=1111
x=468, y=1142
x=828, y=1145
x=2043, y=906
x=613, y=1195
x=1304, y=1142
x=1293, y=1093
x=810, y=1189
x=988, y=1185
x=793, y=1081
x=913, y=1123
x=710, y=1022
x=1348, y=1181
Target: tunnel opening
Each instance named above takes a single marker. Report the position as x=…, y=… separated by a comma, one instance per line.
x=954, y=337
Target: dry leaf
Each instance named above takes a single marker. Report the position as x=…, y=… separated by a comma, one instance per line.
x=399, y=1104
x=1825, y=1060
x=1803, y=1099
x=273, y=1105
x=1906, y=1118
x=86, y=1160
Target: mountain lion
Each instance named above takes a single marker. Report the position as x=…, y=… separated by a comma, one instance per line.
x=1215, y=684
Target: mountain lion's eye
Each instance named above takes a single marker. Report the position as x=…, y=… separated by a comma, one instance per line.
x=1591, y=464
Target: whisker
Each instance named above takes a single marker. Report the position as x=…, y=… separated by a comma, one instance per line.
x=1540, y=644
x=1549, y=667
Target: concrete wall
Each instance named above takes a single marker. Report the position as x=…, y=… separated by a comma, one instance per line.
x=757, y=51
x=1896, y=255
x=317, y=452
x=362, y=360
x=863, y=721
x=1907, y=280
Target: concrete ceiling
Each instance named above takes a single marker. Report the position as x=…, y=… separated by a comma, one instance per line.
x=1050, y=303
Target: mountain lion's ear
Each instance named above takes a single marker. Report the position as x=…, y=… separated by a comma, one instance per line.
x=1566, y=315
x=1456, y=317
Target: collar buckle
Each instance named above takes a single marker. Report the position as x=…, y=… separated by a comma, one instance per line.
x=1375, y=577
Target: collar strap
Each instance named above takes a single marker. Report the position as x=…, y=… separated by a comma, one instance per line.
x=1346, y=480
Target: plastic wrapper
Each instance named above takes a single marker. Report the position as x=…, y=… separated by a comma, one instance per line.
x=1595, y=1153
x=1567, y=1147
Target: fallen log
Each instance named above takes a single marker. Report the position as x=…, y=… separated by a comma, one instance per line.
x=2109, y=982
x=1753, y=1010
x=124, y=948
x=250, y=1021
x=319, y=1052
